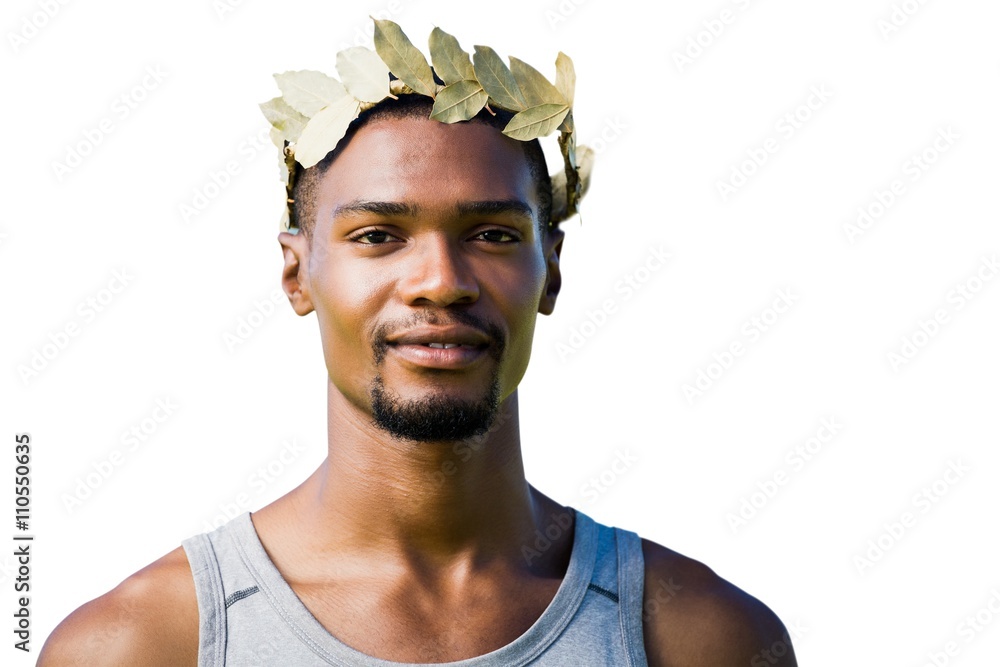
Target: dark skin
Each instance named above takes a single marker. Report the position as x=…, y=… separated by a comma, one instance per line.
x=435, y=561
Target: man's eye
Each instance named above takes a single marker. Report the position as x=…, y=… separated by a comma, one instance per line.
x=371, y=237
x=499, y=236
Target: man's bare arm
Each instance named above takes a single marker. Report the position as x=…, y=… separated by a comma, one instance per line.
x=151, y=618
x=694, y=618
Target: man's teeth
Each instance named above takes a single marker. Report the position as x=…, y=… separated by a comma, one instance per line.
x=446, y=346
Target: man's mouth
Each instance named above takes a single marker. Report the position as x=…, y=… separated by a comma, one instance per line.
x=447, y=346
x=450, y=356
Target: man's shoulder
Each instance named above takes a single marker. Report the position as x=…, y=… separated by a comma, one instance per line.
x=150, y=618
x=692, y=616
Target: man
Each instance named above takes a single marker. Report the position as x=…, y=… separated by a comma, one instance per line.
x=426, y=251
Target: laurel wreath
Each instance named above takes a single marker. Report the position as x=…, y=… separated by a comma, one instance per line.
x=314, y=110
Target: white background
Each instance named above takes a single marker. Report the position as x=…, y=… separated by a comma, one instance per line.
x=669, y=132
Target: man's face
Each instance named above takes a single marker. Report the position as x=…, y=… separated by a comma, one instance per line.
x=427, y=232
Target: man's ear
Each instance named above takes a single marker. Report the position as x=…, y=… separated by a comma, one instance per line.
x=552, y=246
x=295, y=273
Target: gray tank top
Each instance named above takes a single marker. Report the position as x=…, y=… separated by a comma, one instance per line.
x=249, y=615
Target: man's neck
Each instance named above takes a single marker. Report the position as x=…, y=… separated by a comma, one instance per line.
x=450, y=506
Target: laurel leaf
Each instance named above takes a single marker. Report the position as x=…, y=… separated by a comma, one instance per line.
x=451, y=63
x=537, y=121
x=565, y=77
x=282, y=167
x=567, y=146
x=497, y=80
x=568, y=125
x=277, y=138
x=536, y=88
x=286, y=122
x=559, y=201
x=308, y=91
x=585, y=165
x=560, y=197
x=404, y=60
x=459, y=101
x=325, y=129
x=363, y=73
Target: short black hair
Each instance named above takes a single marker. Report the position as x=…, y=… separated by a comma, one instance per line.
x=306, y=181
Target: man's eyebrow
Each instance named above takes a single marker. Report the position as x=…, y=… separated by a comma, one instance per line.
x=500, y=207
x=385, y=209
x=390, y=209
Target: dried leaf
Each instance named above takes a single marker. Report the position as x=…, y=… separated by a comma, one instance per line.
x=560, y=198
x=585, y=160
x=325, y=129
x=497, y=80
x=565, y=77
x=282, y=168
x=459, y=101
x=397, y=87
x=308, y=91
x=538, y=121
x=567, y=146
x=536, y=88
x=277, y=138
x=568, y=125
x=559, y=201
x=566, y=185
x=363, y=73
x=404, y=60
x=451, y=63
x=286, y=121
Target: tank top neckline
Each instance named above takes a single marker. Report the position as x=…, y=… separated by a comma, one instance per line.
x=532, y=643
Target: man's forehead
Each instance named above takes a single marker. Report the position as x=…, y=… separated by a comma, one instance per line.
x=414, y=136
x=420, y=163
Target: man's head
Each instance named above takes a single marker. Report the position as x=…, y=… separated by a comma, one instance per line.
x=422, y=232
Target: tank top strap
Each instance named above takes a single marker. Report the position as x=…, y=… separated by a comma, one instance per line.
x=619, y=576
x=211, y=600
x=631, y=581
x=605, y=579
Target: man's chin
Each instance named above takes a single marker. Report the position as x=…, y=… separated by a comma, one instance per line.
x=437, y=418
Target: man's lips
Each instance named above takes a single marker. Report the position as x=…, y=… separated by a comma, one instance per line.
x=450, y=336
x=418, y=354
x=449, y=347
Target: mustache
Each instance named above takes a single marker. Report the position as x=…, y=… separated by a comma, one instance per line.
x=381, y=333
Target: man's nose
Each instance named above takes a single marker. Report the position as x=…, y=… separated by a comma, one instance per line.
x=438, y=274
